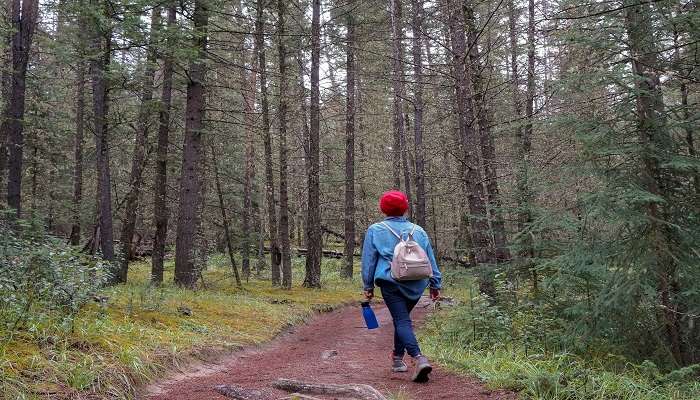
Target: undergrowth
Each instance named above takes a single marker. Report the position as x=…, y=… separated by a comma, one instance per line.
x=130, y=333
x=524, y=349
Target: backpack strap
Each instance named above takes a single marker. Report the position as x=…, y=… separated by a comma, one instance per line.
x=410, y=234
x=392, y=231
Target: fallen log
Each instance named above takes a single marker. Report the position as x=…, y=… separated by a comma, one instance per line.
x=239, y=393
x=355, y=391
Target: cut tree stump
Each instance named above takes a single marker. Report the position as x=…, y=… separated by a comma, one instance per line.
x=356, y=391
x=239, y=393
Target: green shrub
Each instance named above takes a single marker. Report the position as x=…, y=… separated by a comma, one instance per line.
x=42, y=279
x=524, y=346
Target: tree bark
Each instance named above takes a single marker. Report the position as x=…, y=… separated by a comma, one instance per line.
x=488, y=152
x=101, y=46
x=78, y=153
x=249, y=95
x=284, y=197
x=23, y=15
x=406, y=164
x=160, y=204
x=138, y=162
x=224, y=220
x=469, y=141
x=190, y=177
x=313, y=219
x=417, y=25
x=350, y=147
x=652, y=135
x=275, y=256
x=397, y=87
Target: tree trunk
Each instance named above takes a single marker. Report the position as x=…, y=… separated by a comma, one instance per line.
x=406, y=164
x=488, y=152
x=190, y=177
x=78, y=153
x=99, y=65
x=275, y=256
x=417, y=25
x=138, y=161
x=350, y=147
x=397, y=86
x=469, y=142
x=23, y=16
x=249, y=93
x=224, y=219
x=689, y=133
x=284, y=197
x=652, y=135
x=313, y=219
x=160, y=204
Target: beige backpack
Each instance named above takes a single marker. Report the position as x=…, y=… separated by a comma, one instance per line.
x=410, y=262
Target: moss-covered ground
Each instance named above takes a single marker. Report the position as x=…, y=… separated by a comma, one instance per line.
x=140, y=331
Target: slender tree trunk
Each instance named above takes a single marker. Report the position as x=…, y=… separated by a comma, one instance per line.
x=275, y=256
x=350, y=147
x=488, y=152
x=522, y=145
x=249, y=94
x=406, y=164
x=138, y=161
x=224, y=220
x=160, y=204
x=417, y=25
x=652, y=135
x=78, y=153
x=23, y=16
x=469, y=141
x=284, y=198
x=99, y=65
x=313, y=220
x=524, y=183
x=305, y=122
x=397, y=86
x=6, y=77
x=689, y=133
x=190, y=178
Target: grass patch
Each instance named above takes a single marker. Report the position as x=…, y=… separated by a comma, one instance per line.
x=141, y=331
x=472, y=338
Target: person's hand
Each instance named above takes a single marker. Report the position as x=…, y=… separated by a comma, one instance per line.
x=369, y=294
x=434, y=294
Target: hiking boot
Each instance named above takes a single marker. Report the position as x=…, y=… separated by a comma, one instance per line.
x=423, y=369
x=397, y=364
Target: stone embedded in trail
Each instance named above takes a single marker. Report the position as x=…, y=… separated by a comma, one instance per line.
x=299, y=396
x=239, y=393
x=328, y=354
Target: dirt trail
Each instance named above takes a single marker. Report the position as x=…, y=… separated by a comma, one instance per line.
x=362, y=357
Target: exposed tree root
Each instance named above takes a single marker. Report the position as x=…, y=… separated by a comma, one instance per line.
x=356, y=391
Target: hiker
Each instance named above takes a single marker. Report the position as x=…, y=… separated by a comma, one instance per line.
x=402, y=280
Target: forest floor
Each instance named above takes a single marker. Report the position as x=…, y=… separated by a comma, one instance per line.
x=334, y=348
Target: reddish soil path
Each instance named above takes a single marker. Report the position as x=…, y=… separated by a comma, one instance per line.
x=362, y=357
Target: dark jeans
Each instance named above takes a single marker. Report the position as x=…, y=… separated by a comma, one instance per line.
x=400, y=308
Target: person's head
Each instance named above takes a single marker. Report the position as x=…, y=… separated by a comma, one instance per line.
x=393, y=203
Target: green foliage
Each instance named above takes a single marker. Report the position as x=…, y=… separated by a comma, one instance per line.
x=42, y=279
x=528, y=349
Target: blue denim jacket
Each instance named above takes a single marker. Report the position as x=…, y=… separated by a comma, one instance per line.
x=378, y=251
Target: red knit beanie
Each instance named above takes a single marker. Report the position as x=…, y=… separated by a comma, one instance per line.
x=393, y=203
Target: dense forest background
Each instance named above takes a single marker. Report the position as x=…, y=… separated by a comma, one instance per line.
x=547, y=145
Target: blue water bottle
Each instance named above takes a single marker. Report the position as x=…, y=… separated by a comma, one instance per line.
x=368, y=314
